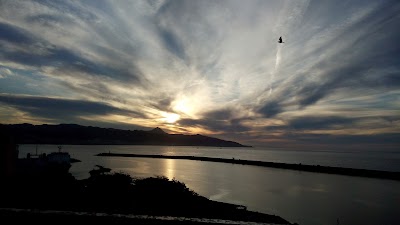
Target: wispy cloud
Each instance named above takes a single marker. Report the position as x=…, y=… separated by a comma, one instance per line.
x=4, y=72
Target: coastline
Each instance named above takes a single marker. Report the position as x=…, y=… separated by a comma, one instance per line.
x=55, y=195
x=118, y=199
x=300, y=167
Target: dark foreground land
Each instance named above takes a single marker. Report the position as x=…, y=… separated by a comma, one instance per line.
x=20, y=216
x=114, y=198
x=300, y=167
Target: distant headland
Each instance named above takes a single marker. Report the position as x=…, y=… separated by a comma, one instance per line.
x=74, y=134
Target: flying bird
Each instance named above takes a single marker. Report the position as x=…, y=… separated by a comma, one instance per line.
x=280, y=40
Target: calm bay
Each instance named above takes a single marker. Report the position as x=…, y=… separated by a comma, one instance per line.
x=302, y=197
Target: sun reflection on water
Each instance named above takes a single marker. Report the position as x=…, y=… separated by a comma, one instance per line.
x=169, y=169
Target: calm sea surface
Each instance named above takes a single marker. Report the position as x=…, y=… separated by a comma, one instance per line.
x=302, y=197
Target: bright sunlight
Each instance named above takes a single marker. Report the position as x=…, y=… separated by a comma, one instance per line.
x=170, y=117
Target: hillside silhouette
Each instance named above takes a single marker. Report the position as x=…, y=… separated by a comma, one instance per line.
x=88, y=135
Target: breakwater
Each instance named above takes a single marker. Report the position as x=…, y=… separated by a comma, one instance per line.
x=300, y=167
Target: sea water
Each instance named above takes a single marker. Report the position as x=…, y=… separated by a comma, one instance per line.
x=302, y=197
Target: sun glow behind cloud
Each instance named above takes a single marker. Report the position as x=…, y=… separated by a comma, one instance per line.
x=170, y=117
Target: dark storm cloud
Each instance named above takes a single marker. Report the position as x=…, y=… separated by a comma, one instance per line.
x=38, y=52
x=390, y=80
x=230, y=126
x=319, y=122
x=270, y=109
x=14, y=34
x=218, y=120
x=315, y=123
x=384, y=139
x=346, y=77
x=223, y=114
x=163, y=104
x=49, y=20
x=99, y=90
x=61, y=109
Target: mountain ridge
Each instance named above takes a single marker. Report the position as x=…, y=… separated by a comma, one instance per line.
x=88, y=135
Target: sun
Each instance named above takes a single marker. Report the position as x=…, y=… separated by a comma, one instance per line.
x=170, y=117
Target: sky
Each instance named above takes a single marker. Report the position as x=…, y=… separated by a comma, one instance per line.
x=208, y=67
